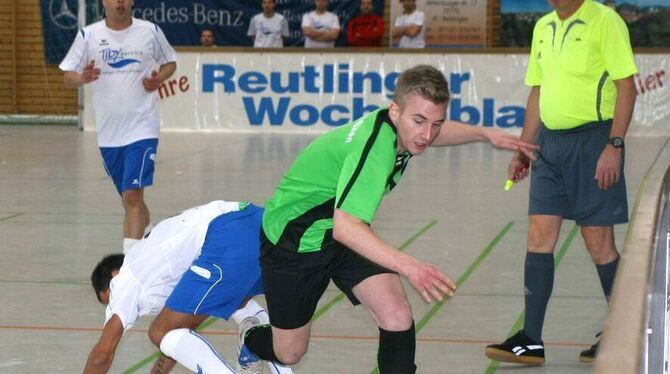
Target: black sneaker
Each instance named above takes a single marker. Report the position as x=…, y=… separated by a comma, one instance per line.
x=519, y=349
x=589, y=355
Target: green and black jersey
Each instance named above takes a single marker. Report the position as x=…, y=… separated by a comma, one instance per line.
x=350, y=168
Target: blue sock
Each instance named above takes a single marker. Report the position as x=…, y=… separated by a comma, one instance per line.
x=606, y=273
x=538, y=283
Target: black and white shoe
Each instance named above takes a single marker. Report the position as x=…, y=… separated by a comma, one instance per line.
x=519, y=349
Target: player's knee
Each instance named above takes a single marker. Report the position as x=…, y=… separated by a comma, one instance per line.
x=292, y=356
x=170, y=341
x=156, y=333
x=133, y=198
x=398, y=318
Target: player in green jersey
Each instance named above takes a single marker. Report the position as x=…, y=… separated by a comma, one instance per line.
x=316, y=227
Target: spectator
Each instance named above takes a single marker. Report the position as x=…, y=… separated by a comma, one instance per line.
x=268, y=29
x=207, y=38
x=410, y=26
x=367, y=29
x=320, y=27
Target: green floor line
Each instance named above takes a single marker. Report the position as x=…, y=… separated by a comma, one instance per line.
x=10, y=217
x=466, y=274
x=459, y=282
x=152, y=357
x=317, y=314
x=493, y=365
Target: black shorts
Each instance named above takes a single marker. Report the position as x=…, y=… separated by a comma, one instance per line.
x=294, y=282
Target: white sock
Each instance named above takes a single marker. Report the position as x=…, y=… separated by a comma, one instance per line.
x=194, y=352
x=128, y=243
x=275, y=368
x=252, y=309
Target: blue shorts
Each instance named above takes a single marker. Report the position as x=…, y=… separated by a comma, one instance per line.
x=562, y=178
x=227, y=270
x=132, y=166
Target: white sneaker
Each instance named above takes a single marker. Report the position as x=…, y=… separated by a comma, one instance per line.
x=247, y=361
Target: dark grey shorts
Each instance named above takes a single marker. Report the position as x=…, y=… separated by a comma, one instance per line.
x=562, y=178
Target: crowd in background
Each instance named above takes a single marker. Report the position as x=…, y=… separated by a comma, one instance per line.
x=321, y=28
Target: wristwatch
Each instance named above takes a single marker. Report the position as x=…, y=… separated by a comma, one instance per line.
x=616, y=142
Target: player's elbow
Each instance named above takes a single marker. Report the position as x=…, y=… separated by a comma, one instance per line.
x=342, y=227
x=338, y=233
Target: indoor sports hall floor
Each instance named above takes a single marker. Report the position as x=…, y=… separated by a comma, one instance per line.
x=59, y=215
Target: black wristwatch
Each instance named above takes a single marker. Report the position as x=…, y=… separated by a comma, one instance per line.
x=616, y=142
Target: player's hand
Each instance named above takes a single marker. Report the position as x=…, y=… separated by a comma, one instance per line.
x=503, y=140
x=163, y=365
x=608, y=168
x=90, y=73
x=151, y=84
x=518, y=167
x=429, y=281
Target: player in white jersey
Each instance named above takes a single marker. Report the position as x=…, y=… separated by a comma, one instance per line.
x=410, y=26
x=116, y=56
x=200, y=263
x=320, y=27
x=269, y=28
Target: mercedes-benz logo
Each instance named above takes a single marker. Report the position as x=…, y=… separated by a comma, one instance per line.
x=61, y=15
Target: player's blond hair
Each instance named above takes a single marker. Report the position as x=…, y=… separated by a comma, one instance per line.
x=425, y=81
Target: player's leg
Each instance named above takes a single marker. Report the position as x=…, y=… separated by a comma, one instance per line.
x=138, y=174
x=136, y=216
x=113, y=162
x=293, y=283
x=381, y=292
x=383, y=296
x=175, y=334
x=187, y=350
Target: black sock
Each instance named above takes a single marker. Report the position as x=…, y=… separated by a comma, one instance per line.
x=259, y=341
x=606, y=273
x=396, y=351
x=538, y=283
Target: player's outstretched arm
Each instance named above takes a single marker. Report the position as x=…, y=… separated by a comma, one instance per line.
x=102, y=354
x=426, y=278
x=455, y=133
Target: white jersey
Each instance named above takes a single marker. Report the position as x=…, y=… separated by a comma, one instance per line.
x=124, y=111
x=268, y=32
x=414, y=18
x=320, y=22
x=154, y=266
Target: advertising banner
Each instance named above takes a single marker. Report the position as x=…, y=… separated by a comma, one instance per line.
x=182, y=21
x=315, y=92
x=449, y=23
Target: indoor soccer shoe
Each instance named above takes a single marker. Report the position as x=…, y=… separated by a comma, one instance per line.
x=519, y=349
x=588, y=355
x=247, y=361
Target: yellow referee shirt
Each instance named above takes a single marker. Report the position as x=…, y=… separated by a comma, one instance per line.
x=575, y=62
